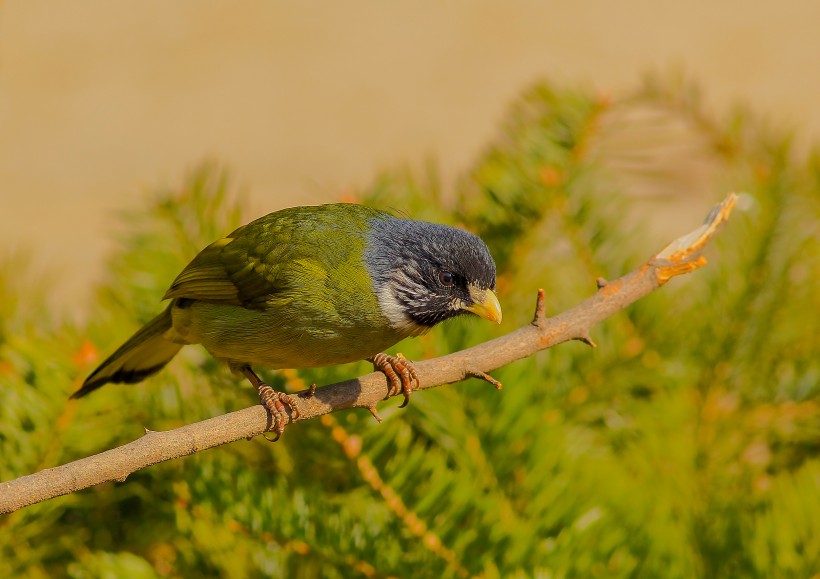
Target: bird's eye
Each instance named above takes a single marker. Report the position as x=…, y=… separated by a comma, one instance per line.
x=446, y=278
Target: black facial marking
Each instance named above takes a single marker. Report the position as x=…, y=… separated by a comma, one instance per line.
x=429, y=266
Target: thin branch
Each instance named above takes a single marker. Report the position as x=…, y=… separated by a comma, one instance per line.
x=681, y=256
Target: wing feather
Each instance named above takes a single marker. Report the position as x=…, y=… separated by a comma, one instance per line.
x=228, y=271
x=261, y=261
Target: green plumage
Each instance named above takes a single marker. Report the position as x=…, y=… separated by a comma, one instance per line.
x=307, y=287
x=296, y=281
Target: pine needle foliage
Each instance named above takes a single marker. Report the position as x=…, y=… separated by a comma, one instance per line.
x=686, y=445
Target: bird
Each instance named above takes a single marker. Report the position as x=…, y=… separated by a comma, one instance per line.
x=313, y=286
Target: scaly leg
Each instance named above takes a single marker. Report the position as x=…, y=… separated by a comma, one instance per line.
x=274, y=401
x=401, y=375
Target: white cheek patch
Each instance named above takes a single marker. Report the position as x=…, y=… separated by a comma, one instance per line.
x=394, y=310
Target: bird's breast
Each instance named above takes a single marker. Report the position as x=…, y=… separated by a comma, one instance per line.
x=286, y=335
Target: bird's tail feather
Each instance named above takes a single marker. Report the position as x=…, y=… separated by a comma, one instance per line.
x=145, y=353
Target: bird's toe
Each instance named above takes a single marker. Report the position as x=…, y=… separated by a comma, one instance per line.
x=400, y=372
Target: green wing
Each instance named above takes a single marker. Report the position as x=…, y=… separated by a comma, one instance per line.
x=258, y=261
x=241, y=270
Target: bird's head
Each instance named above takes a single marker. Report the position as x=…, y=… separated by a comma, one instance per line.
x=425, y=273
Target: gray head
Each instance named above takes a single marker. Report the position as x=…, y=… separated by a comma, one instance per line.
x=424, y=273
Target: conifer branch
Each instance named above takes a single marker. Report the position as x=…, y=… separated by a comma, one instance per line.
x=680, y=257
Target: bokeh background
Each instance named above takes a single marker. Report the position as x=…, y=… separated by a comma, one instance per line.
x=576, y=139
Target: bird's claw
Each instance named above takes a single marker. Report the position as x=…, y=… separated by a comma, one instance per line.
x=400, y=372
x=275, y=403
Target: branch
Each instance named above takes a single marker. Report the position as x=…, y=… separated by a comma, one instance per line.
x=680, y=257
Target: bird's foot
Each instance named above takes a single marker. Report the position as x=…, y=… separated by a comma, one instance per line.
x=400, y=372
x=275, y=402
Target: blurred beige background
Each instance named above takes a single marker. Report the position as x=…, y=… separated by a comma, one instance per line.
x=101, y=101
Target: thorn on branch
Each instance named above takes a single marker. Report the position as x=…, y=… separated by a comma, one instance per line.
x=540, y=309
x=311, y=391
x=588, y=341
x=375, y=414
x=484, y=376
x=601, y=282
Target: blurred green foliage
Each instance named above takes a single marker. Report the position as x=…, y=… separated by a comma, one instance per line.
x=686, y=445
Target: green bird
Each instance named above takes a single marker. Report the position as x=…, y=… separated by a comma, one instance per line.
x=313, y=286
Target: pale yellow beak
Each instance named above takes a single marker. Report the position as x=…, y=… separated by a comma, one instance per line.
x=485, y=304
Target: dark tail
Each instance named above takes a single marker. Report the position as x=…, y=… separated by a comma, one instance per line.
x=145, y=353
